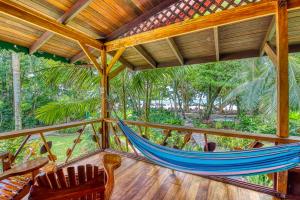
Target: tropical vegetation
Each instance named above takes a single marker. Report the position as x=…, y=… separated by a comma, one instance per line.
x=239, y=95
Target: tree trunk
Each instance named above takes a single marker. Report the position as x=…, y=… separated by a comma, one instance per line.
x=175, y=100
x=124, y=97
x=15, y=63
x=210, y=102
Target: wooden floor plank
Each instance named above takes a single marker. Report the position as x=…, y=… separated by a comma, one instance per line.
x=138, y=180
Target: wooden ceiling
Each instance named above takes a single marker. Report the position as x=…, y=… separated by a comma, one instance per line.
x=110, y=19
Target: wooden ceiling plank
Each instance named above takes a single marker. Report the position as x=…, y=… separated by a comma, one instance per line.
x=91, y=57
x=216, y=39
x=175, y=50
x=123, y=29
x=117, y=71
x=238, y=14
x=24, y=14
x=140, y=50
x=64, y=19
x=271, y=53
x=115, y=59
x=269, y=35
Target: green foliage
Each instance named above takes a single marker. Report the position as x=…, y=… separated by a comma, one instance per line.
x=164, y=117
x=66, y=110
x=294, y=122
x=260, y=180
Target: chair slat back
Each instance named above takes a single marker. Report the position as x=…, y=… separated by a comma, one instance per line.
x=85, y=182
x=61, y=178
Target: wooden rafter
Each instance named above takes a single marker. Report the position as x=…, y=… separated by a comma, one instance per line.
x=271, y=53
x=80, y=55
x=269, y=35
x=241, y=13
x=216, y=39
x=126, y=63
x=64, y=19
x=115, y=72
x=140, y=50
x=24, y=14
x=115, y=59
x=164, y=4
x=91, y=57
x=175, y=50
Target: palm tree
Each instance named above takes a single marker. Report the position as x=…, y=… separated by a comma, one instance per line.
x=15, y=64
x=78, y=93
x=257, y=88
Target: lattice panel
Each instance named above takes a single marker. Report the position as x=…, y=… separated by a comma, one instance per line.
x=185, y=9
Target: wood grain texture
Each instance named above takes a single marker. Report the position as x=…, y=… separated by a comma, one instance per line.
x=138, y=180
x=91, y=57
x=271, y=53
x=282, y=83
x=64, y=19
x=32, y=17
x=175, y=50
x=143, y=53
x=282, y=69
x=238, y=14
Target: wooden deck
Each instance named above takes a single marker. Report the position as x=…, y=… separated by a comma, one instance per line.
x=140, y=180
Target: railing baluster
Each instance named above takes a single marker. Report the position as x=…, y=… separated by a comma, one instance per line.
x=74, y=144
x=51, y=155
x=167, y=134
x=132, y=147
x=95, y=134
x=115, y=134
x=20, y=148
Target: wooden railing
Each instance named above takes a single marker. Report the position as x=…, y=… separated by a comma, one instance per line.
x=27, y=133
x=166, y=130
x=187, y=132
x=211, y=131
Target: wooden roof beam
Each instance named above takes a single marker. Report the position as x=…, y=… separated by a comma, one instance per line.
x=64, y=19
x=115, y=59
x=238, y=14
x=91, y=57
x=82, y=55
x=126, y=63
x=123, y=29
x=175, y=50
x=269, y=35
x=26, y=15
x=140, y=50
x=216, y=39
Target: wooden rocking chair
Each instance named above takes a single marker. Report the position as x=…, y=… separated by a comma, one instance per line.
x=15, y=187
x=89, y=182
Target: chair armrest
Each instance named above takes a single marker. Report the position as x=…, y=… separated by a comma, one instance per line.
x=110, y=162
x=5, y=159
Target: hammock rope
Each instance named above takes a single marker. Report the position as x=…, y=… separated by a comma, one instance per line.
x=234, y=163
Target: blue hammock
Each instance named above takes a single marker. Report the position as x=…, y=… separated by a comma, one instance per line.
x=233, y=163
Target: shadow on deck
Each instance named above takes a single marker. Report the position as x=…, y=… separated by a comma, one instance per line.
x=136, y=180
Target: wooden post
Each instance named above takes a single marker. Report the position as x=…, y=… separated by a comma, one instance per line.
x=104, y=102
x=282, y=82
